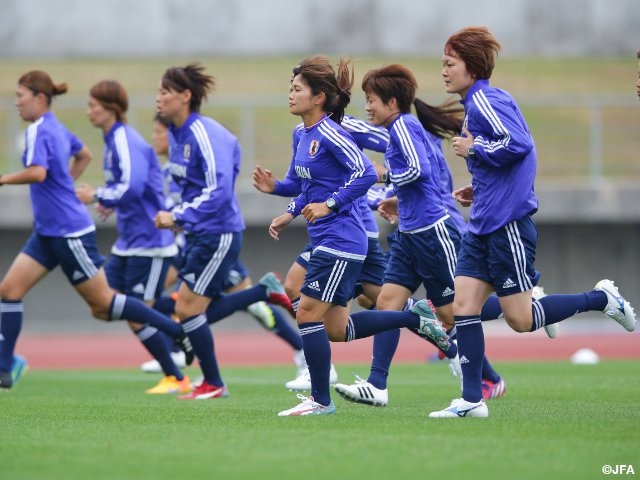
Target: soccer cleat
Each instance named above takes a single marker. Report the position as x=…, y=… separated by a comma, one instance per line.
x=301, y=363
x=460, y=408
x=9, y=379
x=184, y=344
x=363, y=392
x=551, y=330
x=308, y=406
x=153, y=366
x=430, y=326
x=6, y=381
x=276, y=292
x=303, y=381
x=493, y=390
x=263, y=313
x=170, y=384
x=18, y=368
x=617, y=307
x=455, y=368
x=205, y=391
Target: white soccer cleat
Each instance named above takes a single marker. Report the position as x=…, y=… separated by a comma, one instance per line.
x=617, y=307
x=455, y=368
x=308, y=406
x=460, y=408
x=301, y=363
x=551, y=330
x=363, y=392
x=303, y=382
x=152, y=366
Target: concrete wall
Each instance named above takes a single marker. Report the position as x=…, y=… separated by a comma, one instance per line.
x=76, y=28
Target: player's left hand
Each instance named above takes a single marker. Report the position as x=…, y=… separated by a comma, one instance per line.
x=314, y=211
x=461, y=144
x=85, y=193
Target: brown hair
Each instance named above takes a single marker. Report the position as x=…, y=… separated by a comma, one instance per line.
x=477, y=48
x=444, y=120
x=192, y=78
x=397, y=81
x=336, y=84
x=40, y=82
x=112, y=96
x=392, y=81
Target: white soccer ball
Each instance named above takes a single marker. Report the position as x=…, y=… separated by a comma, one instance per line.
x=585, y=356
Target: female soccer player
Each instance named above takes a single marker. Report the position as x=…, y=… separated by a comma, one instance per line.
x=64, y=232
x=334, y=173
x=439, y=122
x=237, y=278
x=134, y=189
x=498, y=251
x=204, y=160
x=366, y=137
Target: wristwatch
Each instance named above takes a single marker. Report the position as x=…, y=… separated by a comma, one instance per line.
x=331, y=203
x=471, y=151
x=385, y=177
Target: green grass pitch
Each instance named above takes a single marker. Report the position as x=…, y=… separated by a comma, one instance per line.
x=557, y=421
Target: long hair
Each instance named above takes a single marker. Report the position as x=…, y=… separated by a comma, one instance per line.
x=113, y=97
x=444, y=120
x=192, y=78
x=336, y=84
x=477, y=48
x=40, y=82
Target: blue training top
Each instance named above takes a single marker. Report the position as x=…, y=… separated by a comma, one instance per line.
x=328, y=163
x=446, y=185
x=367, y=137
x=204, y=160
x=57, y=210
x=414, y=172
x=503, y=168
x=134, y=186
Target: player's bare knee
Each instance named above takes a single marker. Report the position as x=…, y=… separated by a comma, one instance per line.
x=519, y=324
x=336, y=334
x=292, y=291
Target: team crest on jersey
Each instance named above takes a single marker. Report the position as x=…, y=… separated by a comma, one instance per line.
x=186, y=153
x=313, y=147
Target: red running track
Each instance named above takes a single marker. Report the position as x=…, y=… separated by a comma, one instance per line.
x=245, y=348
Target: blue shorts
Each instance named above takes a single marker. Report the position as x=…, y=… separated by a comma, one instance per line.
x=78, y=257
x=140, y=277
x=372, y=269
x=331, y=279
x=208, y=258
x=304, y=256
x=236, y=275
x=374, y=264
x=428, y=258
x=503, y=258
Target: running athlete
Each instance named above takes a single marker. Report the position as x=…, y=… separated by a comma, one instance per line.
x=204, y=160
x=64, y=233
x=439, y=122
x=498, y=251
x=334, y=173
x=134, y=189
x=371, y=275
x=237, y=279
